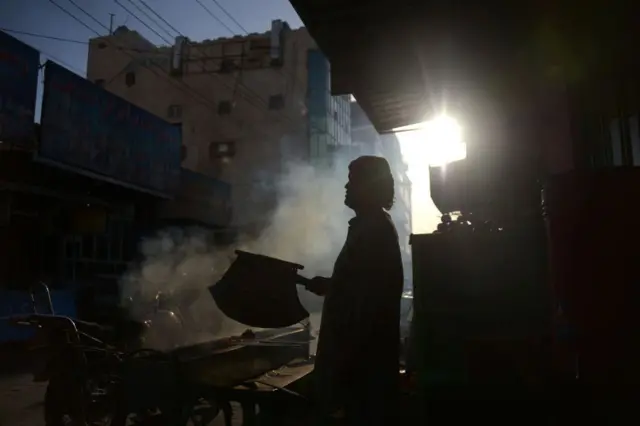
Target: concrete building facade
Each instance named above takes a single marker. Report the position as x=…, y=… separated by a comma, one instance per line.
x=248, y=106
x=367, y=141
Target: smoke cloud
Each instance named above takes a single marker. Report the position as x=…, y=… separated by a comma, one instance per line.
x=308, y=227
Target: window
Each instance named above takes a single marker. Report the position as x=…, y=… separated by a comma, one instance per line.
x=276, y=102
x=99, y=82
x=130, y=79
x=183, y=152
x=174, y=111
x=224, y=107
x=227, y=66
x=219, y=150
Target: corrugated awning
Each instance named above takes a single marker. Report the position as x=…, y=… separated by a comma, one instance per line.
x=402, y=59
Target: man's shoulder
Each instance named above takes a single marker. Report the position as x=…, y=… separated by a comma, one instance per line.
x=378, y=226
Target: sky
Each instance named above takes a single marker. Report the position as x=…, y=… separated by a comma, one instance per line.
x=188, y=16
x=43, y=18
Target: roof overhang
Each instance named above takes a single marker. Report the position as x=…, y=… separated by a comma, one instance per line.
x=403, y=60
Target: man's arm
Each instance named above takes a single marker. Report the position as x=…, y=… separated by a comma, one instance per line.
x=318, y=285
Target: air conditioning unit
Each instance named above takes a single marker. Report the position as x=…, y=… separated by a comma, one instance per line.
x=220, y=150
x=177, y=56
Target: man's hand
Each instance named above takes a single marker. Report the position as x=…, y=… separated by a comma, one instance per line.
x=318, y=285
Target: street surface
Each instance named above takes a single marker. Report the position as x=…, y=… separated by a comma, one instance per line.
x=21, y=401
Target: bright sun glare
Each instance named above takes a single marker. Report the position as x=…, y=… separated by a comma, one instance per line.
x=433, y=143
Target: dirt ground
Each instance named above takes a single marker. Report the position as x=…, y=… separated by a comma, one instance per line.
x=22, y=399
x=22, y=402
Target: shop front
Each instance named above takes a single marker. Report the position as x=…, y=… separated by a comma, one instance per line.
x=72, y=205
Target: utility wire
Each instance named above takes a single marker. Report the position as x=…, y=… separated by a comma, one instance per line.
x=155, y=32
x=186, y=89
x=203, y=100
x=218, y=78
x=226, y=12
x=159, y=16
x=239, y=83
x=44, y=52
x=207, y=102
x=142, y=22
x=60, y=61
x=150, y=18
x=74, y=17
x=84, y=12
x=150, y=28
x=68, y=40
x=230, y=16
x=214, y=16
x=286, y=76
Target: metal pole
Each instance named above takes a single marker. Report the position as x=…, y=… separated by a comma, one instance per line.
x=111, y=15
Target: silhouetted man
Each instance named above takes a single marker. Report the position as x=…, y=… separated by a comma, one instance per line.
x=357, y=362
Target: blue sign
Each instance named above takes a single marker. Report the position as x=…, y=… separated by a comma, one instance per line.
x=13, y=302
x=90, y=130
x=18, y=86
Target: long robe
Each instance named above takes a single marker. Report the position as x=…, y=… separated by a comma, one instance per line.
x=357, y=361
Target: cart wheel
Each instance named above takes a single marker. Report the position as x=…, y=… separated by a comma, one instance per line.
x=227, y=411
x=66, y=404
x=204, y=412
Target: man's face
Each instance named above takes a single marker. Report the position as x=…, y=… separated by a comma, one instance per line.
x=354, y=192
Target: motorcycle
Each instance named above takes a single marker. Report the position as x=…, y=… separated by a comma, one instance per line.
x=78, y=359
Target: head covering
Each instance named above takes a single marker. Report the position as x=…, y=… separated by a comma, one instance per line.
x=372, y=175
x=370, y=168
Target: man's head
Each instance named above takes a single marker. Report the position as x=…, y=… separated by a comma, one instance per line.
x=370, y=185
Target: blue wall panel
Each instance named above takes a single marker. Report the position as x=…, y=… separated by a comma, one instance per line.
x=19, y=302
x=88, y=129
x=18, y=85
x=329, y=116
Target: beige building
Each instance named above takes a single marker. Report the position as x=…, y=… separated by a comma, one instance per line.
x=241, y=101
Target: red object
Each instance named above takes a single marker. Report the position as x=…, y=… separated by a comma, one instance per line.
x=594, y=249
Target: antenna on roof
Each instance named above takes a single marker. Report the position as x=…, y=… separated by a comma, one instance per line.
x=111, y=15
